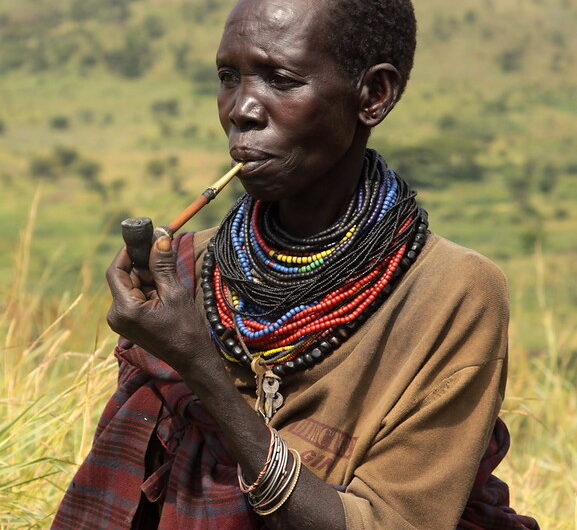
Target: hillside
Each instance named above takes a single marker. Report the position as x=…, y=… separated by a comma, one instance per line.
x=126, y=87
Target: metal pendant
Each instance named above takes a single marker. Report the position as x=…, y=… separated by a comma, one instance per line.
x=272, y=398
x=268, y=398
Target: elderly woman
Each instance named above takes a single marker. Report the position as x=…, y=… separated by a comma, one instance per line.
x=321, y=360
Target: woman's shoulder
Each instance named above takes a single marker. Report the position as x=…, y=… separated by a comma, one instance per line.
x=453, y=253
x=453, y=267
x=202, y=238
x=190, y=248
x=453, y=301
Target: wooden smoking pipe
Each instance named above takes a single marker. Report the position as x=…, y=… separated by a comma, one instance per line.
x=139, y=233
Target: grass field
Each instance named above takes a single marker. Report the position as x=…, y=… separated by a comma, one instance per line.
x=486, y=132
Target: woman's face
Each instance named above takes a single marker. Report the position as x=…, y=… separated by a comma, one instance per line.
x=288, y=111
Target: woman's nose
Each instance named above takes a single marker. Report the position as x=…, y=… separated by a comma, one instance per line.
x=248, y=112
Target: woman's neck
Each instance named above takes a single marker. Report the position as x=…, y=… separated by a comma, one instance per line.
x=322, y=204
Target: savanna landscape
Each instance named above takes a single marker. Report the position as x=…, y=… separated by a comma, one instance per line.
x=107, y=110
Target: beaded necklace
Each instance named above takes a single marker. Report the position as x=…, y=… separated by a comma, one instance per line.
x=290, y=302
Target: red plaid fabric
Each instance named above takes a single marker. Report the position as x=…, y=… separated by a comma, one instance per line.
x=195, y=486
x=488, y=505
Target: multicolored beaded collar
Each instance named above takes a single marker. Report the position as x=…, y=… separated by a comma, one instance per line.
x=291, y=302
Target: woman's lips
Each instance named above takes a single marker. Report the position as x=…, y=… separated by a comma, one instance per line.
x=252, y=166
x=253, y=159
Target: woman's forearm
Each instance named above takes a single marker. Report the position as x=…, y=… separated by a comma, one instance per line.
x=313, y=504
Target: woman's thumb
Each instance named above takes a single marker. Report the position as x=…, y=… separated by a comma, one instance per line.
x=162, y=264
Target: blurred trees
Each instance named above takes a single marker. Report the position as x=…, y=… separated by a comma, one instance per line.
x=134, y=57
x=66, y=161
x=103, y=10
x=199, y=10
x=59, y=122
x=532, y=186
x=167, y=167
x=34, y=44
x=67, y=35
x=441, y=160
x=511, y=60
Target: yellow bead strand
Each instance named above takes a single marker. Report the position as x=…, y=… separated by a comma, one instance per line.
x=305, y=260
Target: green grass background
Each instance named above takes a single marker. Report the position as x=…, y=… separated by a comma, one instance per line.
x=486, y=132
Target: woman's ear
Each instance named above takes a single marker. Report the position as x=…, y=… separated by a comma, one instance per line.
x=379, y=90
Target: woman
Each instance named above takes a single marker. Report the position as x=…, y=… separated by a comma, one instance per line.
x=374, y=350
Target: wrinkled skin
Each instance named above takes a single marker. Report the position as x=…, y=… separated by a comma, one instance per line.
x=150, y=313
x=301, y=126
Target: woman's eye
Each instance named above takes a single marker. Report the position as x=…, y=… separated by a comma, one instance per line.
x=283, y=82
x=227, y=78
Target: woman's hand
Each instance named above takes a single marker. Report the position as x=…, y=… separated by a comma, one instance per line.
x=158, y=313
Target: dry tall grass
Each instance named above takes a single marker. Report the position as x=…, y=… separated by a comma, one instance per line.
x=58, y=370
x=51, y=389
x=541, y=411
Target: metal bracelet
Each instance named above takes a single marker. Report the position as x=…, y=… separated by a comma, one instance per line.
x=288, y=489
x=274, y=477
x=244, y=487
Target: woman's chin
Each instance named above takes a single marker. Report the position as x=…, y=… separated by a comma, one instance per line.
x=264, y=194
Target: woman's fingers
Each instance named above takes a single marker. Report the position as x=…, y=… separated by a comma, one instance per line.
x=118, y=274
x=125, y=283
x=150, y=292
x=136, y=279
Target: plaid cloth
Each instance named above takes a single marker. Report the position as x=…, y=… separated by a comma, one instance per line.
x=194, y=485
x=488, y=505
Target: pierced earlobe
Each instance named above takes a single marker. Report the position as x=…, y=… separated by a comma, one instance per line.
x=372, y=115
x=379, y=93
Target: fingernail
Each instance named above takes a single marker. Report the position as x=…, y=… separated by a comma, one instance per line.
x=163, y=244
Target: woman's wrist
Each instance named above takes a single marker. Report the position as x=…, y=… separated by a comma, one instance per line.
x=203, y=371
x=190, y=352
